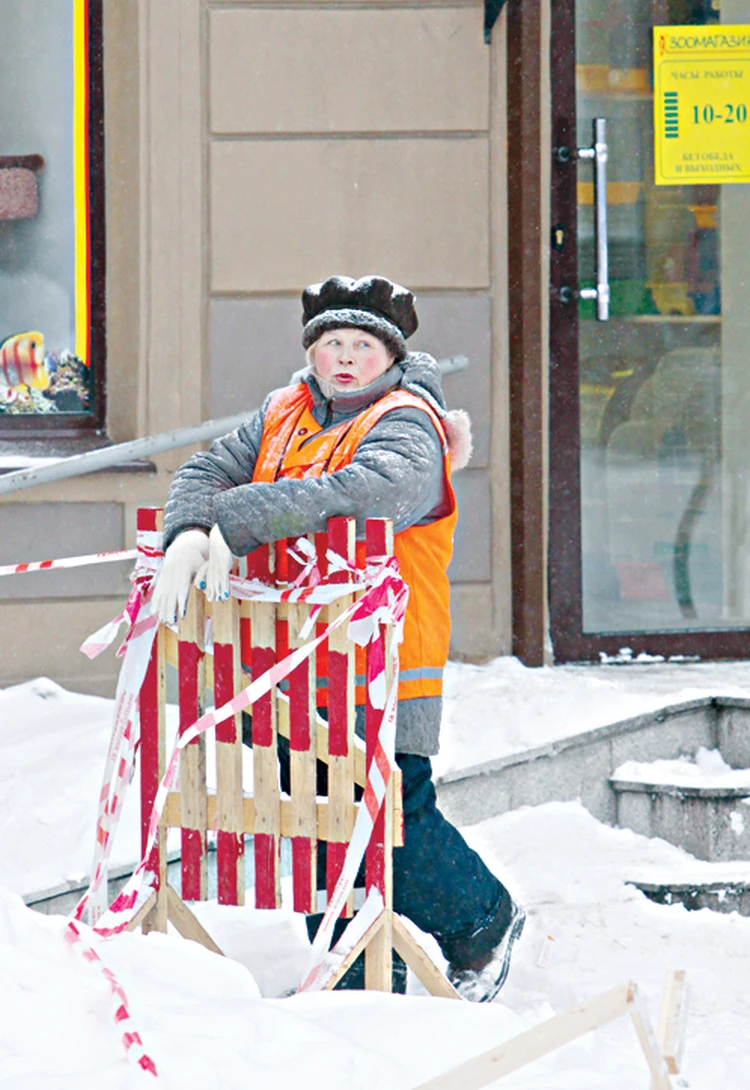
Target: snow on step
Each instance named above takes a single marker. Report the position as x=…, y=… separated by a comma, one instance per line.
x=700, y=804
x=721, y=887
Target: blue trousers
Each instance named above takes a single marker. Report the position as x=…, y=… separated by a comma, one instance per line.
x=439, y=882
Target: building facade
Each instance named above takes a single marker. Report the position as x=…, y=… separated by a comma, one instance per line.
x=251, y=147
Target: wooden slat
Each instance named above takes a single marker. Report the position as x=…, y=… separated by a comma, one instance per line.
x=302, y=717
x=369, y=936
x=321, y=739
x=230, y=841
x=191, y=686
x=420, y=963
x=142, y=913
x=659, y=1075
x=170, y=647
x=266, y=845
x=339, y=734
x=152, y=718
x=379, y=862
x=534, y=1043
x=186, y=923
x=249, y=815
x=673, y=1019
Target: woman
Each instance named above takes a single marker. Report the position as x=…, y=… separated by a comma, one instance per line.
x=363, y=432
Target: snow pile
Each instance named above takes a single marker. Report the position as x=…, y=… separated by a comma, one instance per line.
x=213, y=1022
x=53, y=744
x=569, y=871
x=707, y=769
x=205, y=1023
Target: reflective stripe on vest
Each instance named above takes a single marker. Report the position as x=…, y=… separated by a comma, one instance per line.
x=294, y=445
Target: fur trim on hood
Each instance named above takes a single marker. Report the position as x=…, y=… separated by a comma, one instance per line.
x=457, y=424
x=422, y=377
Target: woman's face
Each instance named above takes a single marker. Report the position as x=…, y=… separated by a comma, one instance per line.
x=350, y=358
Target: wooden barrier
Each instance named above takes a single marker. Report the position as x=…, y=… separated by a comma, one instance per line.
x=248, y=638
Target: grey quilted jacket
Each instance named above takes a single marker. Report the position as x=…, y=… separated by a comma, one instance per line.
x=396, y=473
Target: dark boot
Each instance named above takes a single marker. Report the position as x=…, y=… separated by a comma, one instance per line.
x=478, y=963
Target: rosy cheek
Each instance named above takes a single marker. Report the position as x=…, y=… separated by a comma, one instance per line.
x=323, y=362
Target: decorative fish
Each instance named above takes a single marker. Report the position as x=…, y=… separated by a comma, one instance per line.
x=22, y=361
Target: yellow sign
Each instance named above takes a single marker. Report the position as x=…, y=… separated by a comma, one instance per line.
x=701, y=104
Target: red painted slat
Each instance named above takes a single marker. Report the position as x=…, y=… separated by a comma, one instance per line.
x=149, y=756
x=266, y=866
x=229, y=846
x=259, y=564
x=246, y=644
x=194, y=841
x=335, y=855
x=281, y=566
x=263, y=658
x=302, y=862
x=265, y=845
x=146, y=518
x=376, y=545
x=321, y=549
x=300, y=739
x=338, y=536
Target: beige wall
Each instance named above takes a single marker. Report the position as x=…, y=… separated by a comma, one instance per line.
x=253, y=148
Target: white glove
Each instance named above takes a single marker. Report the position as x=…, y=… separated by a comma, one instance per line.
x=184, y=557
x=213, y=575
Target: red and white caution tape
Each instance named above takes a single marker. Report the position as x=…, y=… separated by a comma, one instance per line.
x=118, y=769
x=120, y=759
x=130, y=1037
x=68, y=562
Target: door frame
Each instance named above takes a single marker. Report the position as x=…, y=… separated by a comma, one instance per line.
x=569, y=642
x=526, y=349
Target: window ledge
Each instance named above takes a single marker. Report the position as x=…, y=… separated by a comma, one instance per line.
x=21, y=453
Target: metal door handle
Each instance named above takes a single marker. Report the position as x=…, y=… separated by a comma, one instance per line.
x=598, y=153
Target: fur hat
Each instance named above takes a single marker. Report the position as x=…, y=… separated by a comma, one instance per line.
x=372, y=303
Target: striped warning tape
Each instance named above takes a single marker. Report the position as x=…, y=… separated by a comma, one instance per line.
x=68, y=562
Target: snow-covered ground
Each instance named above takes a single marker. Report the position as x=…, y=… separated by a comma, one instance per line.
x=504, y=707
x=213, y=1022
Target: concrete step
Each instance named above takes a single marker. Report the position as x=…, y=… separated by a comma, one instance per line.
x=710, y=819
x=580, y=766
x=720, y=887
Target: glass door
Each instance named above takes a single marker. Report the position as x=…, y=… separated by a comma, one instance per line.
x=650, y=371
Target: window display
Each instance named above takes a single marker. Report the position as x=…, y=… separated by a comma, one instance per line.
x=48, y=357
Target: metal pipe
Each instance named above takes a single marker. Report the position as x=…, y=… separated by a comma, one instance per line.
x=94, y=461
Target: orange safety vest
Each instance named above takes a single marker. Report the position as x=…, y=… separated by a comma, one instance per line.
x=295, y=446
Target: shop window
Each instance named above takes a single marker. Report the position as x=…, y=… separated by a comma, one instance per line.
x=52, y=335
